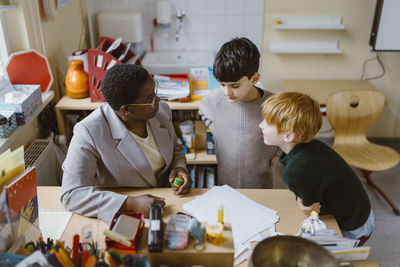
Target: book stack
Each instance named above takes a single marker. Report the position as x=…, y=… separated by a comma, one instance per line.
x=344, y=249
x=172, y=88
x=19, y=212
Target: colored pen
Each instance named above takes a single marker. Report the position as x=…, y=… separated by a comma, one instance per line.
x=58, y=257
x=54, y=261
x=91, y=262
x=75, y=250
x=64, y=255
x=84, y=258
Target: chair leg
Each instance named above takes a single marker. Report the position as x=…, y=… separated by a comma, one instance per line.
x=370, y=182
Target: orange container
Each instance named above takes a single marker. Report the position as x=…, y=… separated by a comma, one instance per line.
x=77, y=80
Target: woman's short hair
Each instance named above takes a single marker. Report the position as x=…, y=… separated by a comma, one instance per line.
x=293, y=112
x=122, y=83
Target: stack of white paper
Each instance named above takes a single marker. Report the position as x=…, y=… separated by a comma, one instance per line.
x=250, y=221
x=344, y=249
x=169, y=88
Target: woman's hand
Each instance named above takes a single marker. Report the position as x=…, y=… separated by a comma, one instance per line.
x=307, y=210
x=141, y=204
x=187, y=181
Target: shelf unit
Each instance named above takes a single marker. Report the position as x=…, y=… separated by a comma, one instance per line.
x=6, y=142
x=307, y=23
x=9, y=7
x=304, y=47
x=66, y=103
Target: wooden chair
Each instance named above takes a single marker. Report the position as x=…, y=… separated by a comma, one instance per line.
x=351, y=113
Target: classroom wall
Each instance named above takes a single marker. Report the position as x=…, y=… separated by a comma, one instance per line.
x=207, y=24
x=357, y=16
x=61, y=37
x=56, y=38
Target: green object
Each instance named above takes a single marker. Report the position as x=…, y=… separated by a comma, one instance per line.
x=116, y=257
x=177, y=183
x=5, y=2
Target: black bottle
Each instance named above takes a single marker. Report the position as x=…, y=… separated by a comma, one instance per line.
x=155, y=237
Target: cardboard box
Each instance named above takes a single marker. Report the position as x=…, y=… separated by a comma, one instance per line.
x=7, y=128
x=27, y=106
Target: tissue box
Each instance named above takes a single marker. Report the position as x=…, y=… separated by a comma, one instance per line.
x=8, y=127
x=28, y=106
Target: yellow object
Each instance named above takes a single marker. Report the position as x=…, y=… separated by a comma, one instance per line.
x=221, y=214
x=77, y=80
x=63, y=254
x=11, y=165
x=277, y=21
x=214, y=234
x=117, y=237
x=91, y=262
x=197, y=87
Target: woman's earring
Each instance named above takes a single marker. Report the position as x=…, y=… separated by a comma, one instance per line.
x=126, y=113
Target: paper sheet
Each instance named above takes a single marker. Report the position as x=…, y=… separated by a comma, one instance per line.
x=250, y=221
x=52, y=222
x=238, y=209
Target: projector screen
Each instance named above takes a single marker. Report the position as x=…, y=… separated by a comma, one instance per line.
x=385, y=33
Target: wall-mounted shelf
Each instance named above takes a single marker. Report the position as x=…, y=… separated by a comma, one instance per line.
x=304, y=47
x=10, y=7
x=307, y=23
x=6, y=142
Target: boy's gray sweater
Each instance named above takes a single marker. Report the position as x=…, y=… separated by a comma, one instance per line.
x=243, y=158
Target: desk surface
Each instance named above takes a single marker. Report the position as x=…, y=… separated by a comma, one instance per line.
x=321, y=89
x=281, y=200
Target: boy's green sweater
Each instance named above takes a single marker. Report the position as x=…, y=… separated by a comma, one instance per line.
x=316, y=173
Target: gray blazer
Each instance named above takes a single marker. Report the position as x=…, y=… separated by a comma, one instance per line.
x=103, y=153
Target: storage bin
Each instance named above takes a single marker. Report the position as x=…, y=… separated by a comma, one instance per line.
x=8, y=127
x=28, y=106
x=99, y=62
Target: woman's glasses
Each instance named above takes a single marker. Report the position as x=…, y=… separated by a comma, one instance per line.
x=153, y=102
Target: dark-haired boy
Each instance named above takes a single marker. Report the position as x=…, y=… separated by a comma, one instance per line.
x=233, y=113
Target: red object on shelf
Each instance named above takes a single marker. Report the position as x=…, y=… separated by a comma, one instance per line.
x=29, y=67
x=99, y=62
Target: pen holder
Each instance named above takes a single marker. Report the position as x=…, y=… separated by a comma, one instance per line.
x=120, y=248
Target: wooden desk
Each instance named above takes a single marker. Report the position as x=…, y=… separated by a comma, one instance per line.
x=321, y=89
x=281, y=200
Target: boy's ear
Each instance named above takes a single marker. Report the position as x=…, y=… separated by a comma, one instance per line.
x=255, y=78
x=289, y=137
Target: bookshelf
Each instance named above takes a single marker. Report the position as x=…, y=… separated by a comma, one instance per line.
x=68, y=104
x=6, y=142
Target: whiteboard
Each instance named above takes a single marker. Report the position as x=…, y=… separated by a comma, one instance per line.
x=385, y=34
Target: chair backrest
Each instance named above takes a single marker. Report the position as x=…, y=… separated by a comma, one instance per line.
x=352, y=112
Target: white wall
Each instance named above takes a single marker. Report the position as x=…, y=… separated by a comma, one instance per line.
x=57, y=39
x=357, y=16
x=207, y=25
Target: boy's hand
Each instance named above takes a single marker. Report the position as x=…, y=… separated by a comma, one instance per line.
x=187, y=180
x=307, y=210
